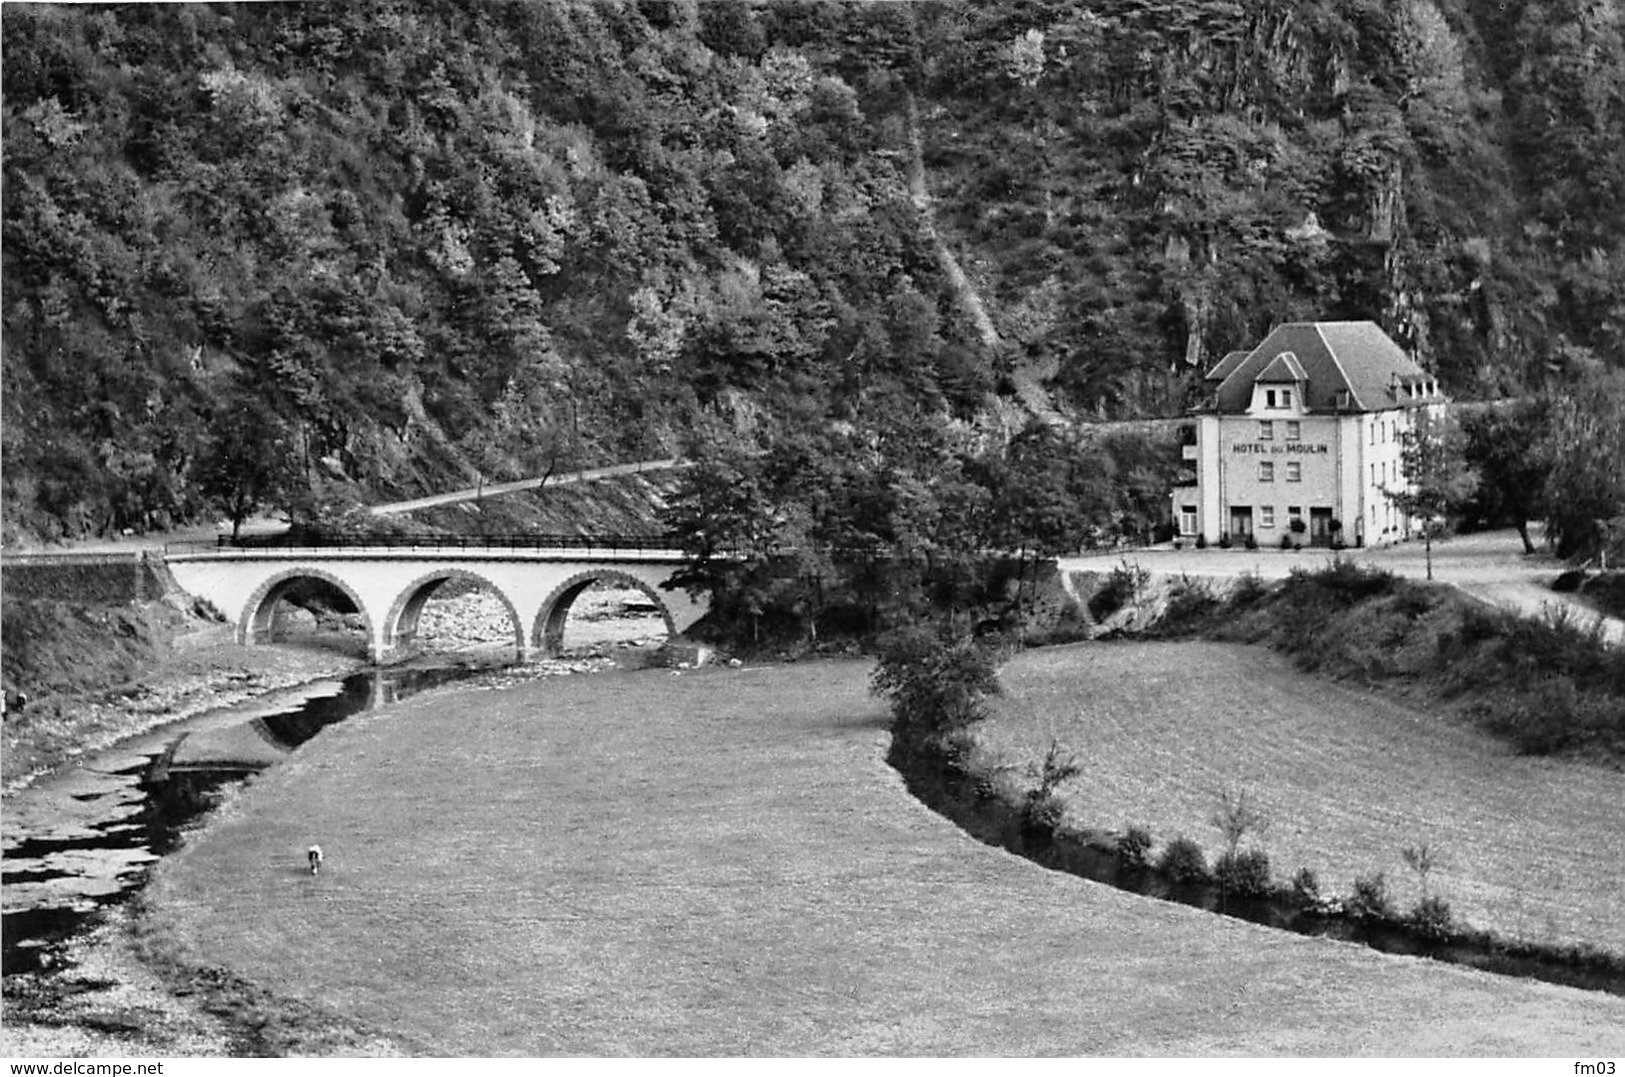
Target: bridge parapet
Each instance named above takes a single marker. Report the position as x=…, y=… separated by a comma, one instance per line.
x=529, y=541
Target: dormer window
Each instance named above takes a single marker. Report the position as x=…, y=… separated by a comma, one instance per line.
x=1286, y=398
x=1269, y=398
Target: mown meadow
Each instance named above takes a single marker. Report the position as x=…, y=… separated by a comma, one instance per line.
x=721, y=862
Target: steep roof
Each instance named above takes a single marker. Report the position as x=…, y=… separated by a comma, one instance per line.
x=1284, y=368
x=1223, y=367
x=1332, y=358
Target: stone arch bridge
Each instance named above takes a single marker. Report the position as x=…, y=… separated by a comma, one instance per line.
x=389, y=580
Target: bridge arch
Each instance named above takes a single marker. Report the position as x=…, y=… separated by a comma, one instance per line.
x=260, y=608
x=401, y=622
x=548, y=633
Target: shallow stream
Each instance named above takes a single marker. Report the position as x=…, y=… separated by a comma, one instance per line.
x=80, y=840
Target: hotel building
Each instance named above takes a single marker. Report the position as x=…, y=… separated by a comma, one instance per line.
x=1305, y=427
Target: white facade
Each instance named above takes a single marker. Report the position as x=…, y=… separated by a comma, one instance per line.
x=1275, y=448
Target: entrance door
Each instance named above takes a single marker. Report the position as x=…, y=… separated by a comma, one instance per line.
x=1320, y=527
x=1241, y=521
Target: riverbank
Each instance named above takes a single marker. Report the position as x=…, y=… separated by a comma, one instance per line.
x=102, y=1000
x=202, y=668
x=99, y=994
x=1342, y=779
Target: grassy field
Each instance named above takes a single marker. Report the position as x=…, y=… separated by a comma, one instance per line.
x=721, y=863
x=1531, y=848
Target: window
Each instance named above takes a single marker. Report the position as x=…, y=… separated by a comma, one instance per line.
x=1269, y=398
x=1294, y=471
x=1266, y=472
x=1373, y=474
x=1286, y=398
x=1187, y=519
x=1266, y=516
x=1373, y=429
x=1294, y=513
x=1294, y=430
x=1266, y=431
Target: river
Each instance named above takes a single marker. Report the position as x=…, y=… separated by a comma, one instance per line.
x=82, y=839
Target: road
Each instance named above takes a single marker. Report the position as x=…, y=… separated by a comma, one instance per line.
x=1490, y=566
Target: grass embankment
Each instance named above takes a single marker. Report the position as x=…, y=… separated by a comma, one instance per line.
x=1548, y=685
x=1380, y=749
x=1531, y=849
x=721, y=863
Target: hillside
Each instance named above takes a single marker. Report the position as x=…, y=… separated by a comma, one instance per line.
x=317, y=255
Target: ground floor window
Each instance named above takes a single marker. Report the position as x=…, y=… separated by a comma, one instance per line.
x=1187, y=519
x=1266, y=516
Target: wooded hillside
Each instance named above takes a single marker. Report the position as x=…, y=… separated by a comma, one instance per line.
x=321, y=254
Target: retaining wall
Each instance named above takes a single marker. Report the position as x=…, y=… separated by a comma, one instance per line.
x=104, y=579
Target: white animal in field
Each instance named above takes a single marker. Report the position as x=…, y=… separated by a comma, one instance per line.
x=314, y=855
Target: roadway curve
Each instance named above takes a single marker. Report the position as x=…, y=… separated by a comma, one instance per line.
x=1490, y=566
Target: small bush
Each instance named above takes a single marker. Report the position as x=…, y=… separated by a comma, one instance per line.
x=1247, y=590
x=1044, y=807
x=1121, y=587
x=1345, y=581
x=1286, y=542
x=1567, y=583
x=1371, y=898
x=1042, y=811
x=1251, y=542
x=1245, y=872
x=1607, y=592
x=1133, y=846
x=1183, y=861
x=1224, y=540
x=1201, y=542
x=1306, y=887
x=1237, y=814
x=1432, y=917
x=1190, y=602
x=936, y=679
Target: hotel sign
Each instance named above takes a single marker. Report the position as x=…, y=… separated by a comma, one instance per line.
x=1295, y=448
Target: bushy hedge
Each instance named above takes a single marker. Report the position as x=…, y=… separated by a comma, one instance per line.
x=1548, y=684
x=936, y=677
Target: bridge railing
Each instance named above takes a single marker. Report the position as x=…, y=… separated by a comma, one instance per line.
x=304, y=540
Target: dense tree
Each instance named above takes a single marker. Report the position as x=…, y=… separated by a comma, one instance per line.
x=403, y=224
x=1436, y=479
x=1503, y=447
x=1585, y=484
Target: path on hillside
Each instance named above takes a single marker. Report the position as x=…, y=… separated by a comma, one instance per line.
x=498, y=489
x=720, y=863
x=1490, y=566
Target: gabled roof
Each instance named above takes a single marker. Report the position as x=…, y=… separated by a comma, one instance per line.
x=1283, y=368
x=1332, y=358
x=1221, y=370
